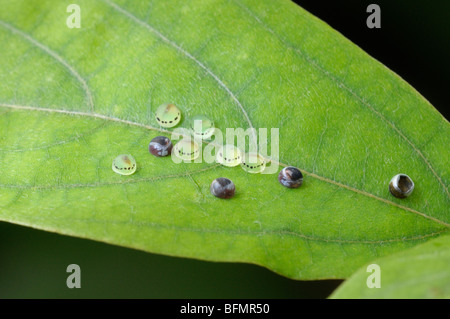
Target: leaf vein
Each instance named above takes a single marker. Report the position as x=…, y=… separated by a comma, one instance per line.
x=277, y=232
x=187, y=54
x=324, y=179
x=346, y=88
x=58, y=58
x=110, y=183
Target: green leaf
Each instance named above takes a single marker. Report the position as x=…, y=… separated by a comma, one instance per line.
x=74, y=99
x=420, y=272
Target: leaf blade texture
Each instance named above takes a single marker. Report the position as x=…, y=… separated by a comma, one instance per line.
x=74, y=99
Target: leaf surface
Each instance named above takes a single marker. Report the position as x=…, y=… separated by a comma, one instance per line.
x=417, y=273
x=71, y=100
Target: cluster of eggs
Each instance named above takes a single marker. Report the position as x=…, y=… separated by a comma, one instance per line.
x=169, y=115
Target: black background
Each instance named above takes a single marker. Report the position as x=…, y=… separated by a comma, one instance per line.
x=413, y=41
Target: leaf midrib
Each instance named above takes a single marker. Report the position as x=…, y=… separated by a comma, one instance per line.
x=341, y=85
x=104, y=117
x=300, y=53
x=277, y=232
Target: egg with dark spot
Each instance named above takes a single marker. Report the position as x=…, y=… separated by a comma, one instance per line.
x=124, y=164
x=187, y=149
x=202, y=127
x=291, y=177
x=168, y=115
x=253, y=163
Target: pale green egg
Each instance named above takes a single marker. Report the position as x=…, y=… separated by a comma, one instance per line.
x=124, y=164
x=229, y=155
x=202, y=127
x=168, y=115
x=186, y=149
x=253, y=163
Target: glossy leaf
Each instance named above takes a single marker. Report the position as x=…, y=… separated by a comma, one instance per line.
x=417, y=273
x=71, y=100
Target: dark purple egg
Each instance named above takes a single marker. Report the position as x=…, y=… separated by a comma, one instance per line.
x=222, y=188
x=401, y=186
x=290, y=177
x=160, y=146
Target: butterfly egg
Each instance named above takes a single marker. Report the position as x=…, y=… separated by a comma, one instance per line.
x=223, y=188
x=186, y=149
x=229, y=155
x=202, y=127
x=253, y=163
x=401, y=186
x=290, y=177
x=124, y=164
x=160, y=146
x=168, y=115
